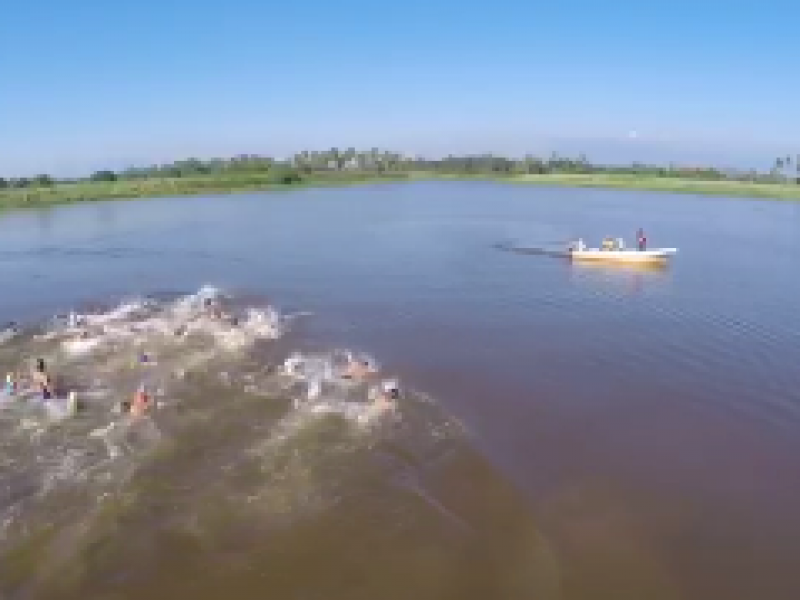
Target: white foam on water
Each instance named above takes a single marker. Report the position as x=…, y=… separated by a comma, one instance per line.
x=128, y=435
x=263, y=323
x=68, y=469
x=8, y=334
x=125, y=311
x=81, y=346
x=329, y=366
x=58, y=409
x=107, y=358
x=360, y=413
x=195, y=302
x=326, y=371
x=137, y=323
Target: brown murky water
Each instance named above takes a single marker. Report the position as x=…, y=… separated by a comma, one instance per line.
x=576, y=432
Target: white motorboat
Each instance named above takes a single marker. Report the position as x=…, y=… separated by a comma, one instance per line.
x=620, y=254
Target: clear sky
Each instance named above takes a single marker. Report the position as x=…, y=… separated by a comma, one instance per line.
x=88, y=84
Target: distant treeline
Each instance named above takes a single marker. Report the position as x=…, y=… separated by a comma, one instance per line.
x=308, y=164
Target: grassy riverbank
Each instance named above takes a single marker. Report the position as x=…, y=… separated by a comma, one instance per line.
x=82, y=191
x=781, y=191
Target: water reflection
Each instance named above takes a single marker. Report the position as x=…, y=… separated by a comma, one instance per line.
x=106, y=215
x=44, y=220
x=626, y=279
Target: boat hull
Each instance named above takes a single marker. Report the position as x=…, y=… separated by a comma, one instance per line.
x=657, y=255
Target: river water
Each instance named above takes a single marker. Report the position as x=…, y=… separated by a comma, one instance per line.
x=565, y=432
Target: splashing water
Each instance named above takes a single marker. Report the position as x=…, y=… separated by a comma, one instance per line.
x=229, y=438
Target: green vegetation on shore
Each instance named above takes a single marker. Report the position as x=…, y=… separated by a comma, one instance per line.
x=750, y=189
x=81, y=191
x=335, y=167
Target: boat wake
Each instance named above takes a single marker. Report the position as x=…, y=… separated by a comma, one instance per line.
x=551, y=251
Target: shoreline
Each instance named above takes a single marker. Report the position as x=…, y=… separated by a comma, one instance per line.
x=68, y=193
x=72, y=193
x=677, y=185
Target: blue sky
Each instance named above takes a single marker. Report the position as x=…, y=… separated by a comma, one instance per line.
x=90, y=84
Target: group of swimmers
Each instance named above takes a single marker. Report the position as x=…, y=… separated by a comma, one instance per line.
x=41, y=383
x=212, y=308
x=39, y=379
x=142, y=399
x=359, y=370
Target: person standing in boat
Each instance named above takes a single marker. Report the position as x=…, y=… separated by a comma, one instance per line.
x=641, y=240
x=577, y=246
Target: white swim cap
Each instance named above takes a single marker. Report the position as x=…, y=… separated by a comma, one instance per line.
x=291, y=364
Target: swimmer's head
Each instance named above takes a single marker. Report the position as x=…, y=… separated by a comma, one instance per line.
x=391, y=389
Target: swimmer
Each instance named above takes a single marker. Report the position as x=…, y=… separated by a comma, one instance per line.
x=140, y=403
x=387, y=396
x=291, y=366
x=42, y=380
x=11, y=384
x=122, y=408
x=357, y=370
x=212, y=308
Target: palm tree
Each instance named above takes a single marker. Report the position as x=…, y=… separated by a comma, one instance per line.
x=348, y=157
